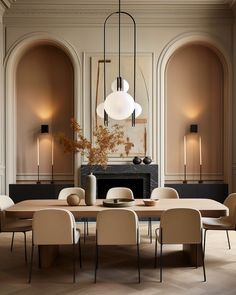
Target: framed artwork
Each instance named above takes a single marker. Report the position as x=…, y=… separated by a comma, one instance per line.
x=137, y=136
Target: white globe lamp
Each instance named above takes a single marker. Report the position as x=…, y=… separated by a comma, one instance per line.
x=138, y=110
x=119, y=105
x=100, y=110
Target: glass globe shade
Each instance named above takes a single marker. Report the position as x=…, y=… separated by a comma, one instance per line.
x=125, y=85
x=138, y=110
x=119, y=105
x=100, y=110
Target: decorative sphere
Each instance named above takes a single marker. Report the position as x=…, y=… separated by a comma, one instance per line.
x=138, y=110
x=147, y=160
x=119, y=105
x=73, y=200
x=137, y=160
x=100, y=110
x=125, y=85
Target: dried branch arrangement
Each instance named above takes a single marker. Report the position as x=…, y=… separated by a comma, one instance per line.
x=106, y=141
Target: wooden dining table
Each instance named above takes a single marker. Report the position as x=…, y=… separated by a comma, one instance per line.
x=207, y=207
x=26, y=209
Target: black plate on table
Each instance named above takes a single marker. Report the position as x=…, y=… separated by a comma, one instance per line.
x=118, y=202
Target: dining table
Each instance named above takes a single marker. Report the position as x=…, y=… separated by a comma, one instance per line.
x=27, y=208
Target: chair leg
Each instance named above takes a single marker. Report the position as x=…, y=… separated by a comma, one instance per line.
x=204, y=247
x=39, y=257
x=84, y=231
x=80, y=256
x=96, y=264
x=155, y=262
x=161, y=264
x=196, y=249
x=138, y=258
x=12, y=240
x=150, y=229
x=74, y=262
x=87, y=227
x=203, y=264
x=227, y=233
x=25, y=247
x=31, y=264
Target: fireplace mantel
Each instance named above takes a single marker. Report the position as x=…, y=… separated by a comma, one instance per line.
x=142, y=179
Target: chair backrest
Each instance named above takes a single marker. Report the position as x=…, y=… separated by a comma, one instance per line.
x=53, y=227
x=117, y=227
x=5, y=202
x=119, y=193
x=230, y=202
x=164, y=193
x=181, y=226
x=65, y=192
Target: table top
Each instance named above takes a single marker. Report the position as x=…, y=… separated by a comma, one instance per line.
x=207, y=207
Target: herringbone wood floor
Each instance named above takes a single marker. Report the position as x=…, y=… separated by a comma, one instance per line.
x=117, y=273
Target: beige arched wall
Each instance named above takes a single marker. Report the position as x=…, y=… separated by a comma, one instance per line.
x=194, y=87
x=44, y=85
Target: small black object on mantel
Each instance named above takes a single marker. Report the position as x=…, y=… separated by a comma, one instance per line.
x=137, y=160
x=147, y=160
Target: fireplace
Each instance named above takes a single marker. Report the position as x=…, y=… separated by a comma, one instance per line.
x=141, y=179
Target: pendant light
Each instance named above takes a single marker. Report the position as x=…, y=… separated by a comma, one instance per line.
x=119, y=104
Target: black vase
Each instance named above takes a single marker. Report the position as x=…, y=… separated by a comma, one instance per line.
x=147, y=160
x=137, y=160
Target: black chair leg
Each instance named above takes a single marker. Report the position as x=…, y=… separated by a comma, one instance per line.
x=155, y=262
x=84, y=230
x=138, y=258
x=25, y=247
x=203, y=264
x=96, y=264
x=204, y=247
x=39, y=257
x=150, y=229
x=227, y=233
x=196, y=249
x=31, y=264
x=80, y=256
x=161, y=264
x=87, y=227
x=74, y=262
x=12, y=241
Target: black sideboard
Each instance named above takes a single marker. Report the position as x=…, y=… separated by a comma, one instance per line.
x=21, y=192
x=215, y=191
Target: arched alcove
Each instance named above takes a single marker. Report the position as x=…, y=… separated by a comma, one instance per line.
x=194, y=95
x=44, y=95
x=212, y=43
x=14, y=55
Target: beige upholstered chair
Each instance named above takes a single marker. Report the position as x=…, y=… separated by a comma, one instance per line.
x=117, y=227
x=179, y=226
x=161, y=193
x=54, y=227
x=226, y=223
x=119, y=193
x=65, y=192
x=13, y=225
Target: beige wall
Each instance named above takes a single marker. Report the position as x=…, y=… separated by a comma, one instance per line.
x=158, y=30
x=44, y=96
x=194, y=81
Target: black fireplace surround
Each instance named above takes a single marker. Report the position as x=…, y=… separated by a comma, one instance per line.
x=141, y=179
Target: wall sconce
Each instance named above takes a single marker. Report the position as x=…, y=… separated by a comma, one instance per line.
x=193, y=129
x=44, y=130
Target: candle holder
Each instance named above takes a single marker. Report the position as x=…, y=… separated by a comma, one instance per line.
x=52, y=178
x=185, y=170
x=38, y=181
x=200, y=174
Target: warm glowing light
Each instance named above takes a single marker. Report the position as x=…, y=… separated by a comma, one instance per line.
x=200, y=150
x=185, y=150
x=38, y=151
x=52, y=151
